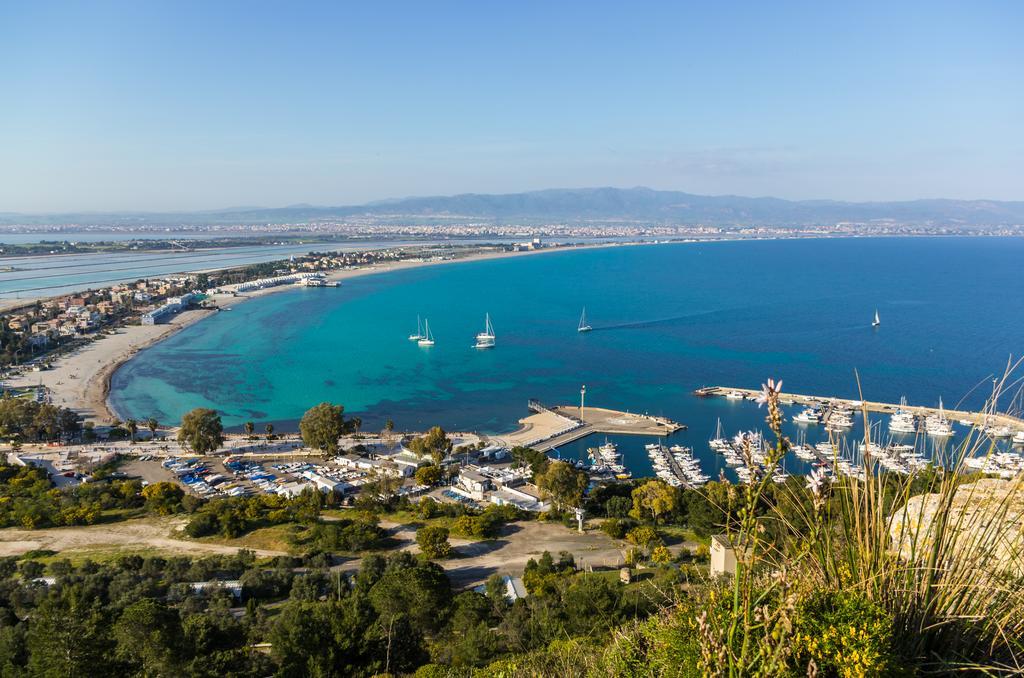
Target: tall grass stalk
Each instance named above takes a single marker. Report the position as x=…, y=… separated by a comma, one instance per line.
x=946, y=565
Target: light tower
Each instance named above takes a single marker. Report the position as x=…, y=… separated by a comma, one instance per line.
x=583, y=395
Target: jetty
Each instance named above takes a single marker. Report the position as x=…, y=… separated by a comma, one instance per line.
x=550, y=427
x=980, y=419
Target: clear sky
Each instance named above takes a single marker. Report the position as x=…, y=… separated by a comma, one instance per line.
x=192, y=105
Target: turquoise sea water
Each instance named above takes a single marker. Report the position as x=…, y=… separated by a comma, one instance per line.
x=667, y=319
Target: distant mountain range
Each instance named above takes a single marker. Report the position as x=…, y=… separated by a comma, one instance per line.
x=585, y=205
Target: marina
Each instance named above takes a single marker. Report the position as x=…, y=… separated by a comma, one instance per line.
x=835, y=412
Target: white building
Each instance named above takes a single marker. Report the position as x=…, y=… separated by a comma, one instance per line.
x=474, y=483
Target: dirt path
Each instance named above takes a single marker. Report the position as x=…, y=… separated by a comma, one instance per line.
x=473, y=563
x=508, y=554
x=146, y=533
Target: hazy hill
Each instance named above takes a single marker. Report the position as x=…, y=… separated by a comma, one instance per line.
x=637, y=205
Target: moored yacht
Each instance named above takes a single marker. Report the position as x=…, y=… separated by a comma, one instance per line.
x=486, y=338
x=419, y=331
x=937, y=425
x=718, y=443
x=999, y=431
x=902, y=421
x=807, y=416
x=427, y=339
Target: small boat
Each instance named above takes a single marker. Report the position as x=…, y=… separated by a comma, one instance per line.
x=999, y=431
x=1018, y=438
x=876, y=322
x=718, y=443
x=427, y=339
x=419, y=331
x=808, y=416
x=486, y=338
x=734, y=395
x=584, y=327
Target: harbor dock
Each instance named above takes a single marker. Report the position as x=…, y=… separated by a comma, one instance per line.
x=980, y=419
x=550, y=427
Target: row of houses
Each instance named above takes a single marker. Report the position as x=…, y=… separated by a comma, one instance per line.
x=83, y=313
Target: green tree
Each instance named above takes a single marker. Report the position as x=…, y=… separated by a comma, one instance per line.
x=563, y=483
x=269, y=428
x=152, y=424
x=434, y=444
x=149, y=635
x=163, y=498
x=617, y=507
x=132, y=427
x=201, y=430
x=321, y=427
x=653, y=499
x=429, y=475
x=414, y=589
x=249, y=428
x=67, y=638
x=527, y=456
x=433, y=541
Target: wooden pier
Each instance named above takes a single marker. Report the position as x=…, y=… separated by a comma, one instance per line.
x=552, y=427
x=976, y=418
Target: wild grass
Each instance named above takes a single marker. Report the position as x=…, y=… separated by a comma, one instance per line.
x=946, y=567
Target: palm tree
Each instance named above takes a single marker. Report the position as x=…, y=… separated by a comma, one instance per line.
x=133, y=428
x=152, y=424
x=269, y=428
x=249, y=428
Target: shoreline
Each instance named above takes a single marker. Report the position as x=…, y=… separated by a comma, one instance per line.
x=82, y=380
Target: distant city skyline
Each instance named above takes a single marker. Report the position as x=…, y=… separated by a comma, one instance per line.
x=118, y=106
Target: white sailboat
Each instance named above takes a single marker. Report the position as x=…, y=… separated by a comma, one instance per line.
x=937, y=425
x=486, y=338
x=877, y=321
x=427, y=339
x=584, y=327
x=419, y=331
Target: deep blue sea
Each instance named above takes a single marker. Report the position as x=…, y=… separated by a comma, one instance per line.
x=667, y=319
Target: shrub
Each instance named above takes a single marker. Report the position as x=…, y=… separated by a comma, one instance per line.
x=433, y=542
x=616, y=528
x=644, y=537
x=844, y=634
x=201, y=525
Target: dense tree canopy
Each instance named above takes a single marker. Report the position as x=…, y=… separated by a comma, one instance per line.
x=34, y=421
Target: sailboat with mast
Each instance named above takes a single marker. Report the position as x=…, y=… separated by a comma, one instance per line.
x=419, y=331
x=877, y=321
x=937, y=425
x=584, y=327
x=486, y=338
x=427, y=339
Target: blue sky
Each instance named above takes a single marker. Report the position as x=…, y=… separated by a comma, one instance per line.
x=191, y=105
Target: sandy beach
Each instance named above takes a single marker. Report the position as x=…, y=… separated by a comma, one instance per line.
x=81, y=380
